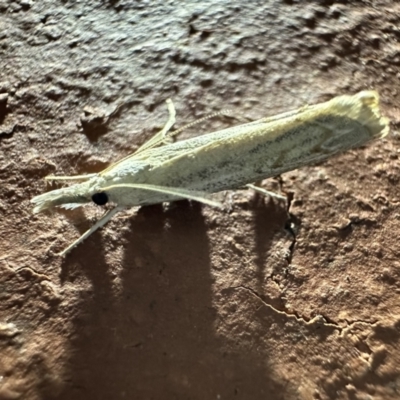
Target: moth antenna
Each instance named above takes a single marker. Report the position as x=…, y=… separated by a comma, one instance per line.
x=186, y=194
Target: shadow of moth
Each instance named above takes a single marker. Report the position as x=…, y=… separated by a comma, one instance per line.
x=160, y=171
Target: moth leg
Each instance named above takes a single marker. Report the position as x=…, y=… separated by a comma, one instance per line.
x=69, y=178
x=165, y=136
x=257, y=188
x=101, y=222
x=161, y=137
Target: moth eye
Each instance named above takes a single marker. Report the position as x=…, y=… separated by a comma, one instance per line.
x=100, y=198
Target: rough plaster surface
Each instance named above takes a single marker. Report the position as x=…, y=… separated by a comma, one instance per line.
x=264, y=300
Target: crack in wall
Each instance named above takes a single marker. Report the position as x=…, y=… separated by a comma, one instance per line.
x=319, y=319
x=290, y=223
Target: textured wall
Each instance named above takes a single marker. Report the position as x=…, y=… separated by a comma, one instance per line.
x=260, y=301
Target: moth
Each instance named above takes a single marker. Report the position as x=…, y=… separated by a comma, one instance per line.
x=232, y=158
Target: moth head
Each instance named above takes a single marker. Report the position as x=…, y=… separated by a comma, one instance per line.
x=100, y=198
x=70, y=197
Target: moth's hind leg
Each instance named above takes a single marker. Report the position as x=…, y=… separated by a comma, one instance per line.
x=161, y=137
x=257, y=188
x=165, y=135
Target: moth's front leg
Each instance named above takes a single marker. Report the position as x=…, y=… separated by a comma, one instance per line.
x=70, y=178
x=101, y=222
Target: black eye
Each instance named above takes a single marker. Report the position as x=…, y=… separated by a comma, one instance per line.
x=100, y=198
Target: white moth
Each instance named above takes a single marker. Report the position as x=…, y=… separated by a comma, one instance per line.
x=232, y=158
